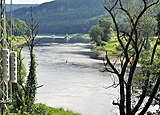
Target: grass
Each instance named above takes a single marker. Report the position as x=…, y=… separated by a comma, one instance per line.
x=112, y=45
x=16, y=39
x=42, y=109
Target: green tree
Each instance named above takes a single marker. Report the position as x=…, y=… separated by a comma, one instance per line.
x=102, y=31
x=107, y=26
x=31, y=85
x=132, y=49
x=19, y=27
x=146, y=28
x=96, y=33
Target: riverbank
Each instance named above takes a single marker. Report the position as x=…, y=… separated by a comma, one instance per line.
x=102, y=55
x=98, y=54
x=41, y=109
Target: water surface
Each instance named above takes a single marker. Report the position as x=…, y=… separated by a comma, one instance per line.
x=77, y=86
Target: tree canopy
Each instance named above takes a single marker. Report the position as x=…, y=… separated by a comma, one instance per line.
x=107, y=26
x=19, y=27
x=102, y=31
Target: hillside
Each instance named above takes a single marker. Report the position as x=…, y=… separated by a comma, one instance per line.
x=17, y=6
x=64, y=16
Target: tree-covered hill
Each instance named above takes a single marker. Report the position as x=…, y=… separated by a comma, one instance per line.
x=17, y=6
x=64, y=16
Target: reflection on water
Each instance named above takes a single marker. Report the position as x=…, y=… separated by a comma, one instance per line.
x=78, y=85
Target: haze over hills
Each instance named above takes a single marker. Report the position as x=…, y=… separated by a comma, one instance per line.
x=64, y=16
x=17, y=6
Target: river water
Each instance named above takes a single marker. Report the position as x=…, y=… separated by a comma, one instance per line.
x=78, y=86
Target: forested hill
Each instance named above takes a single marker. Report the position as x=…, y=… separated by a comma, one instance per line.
x=64, y=16
x=17, y=6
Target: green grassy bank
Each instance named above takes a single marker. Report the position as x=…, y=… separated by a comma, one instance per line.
x=42, y=109
x=113, y=47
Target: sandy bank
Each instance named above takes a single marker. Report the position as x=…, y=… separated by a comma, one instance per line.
x=102, y=55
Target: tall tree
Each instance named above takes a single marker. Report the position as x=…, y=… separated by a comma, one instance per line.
x=107, y=25
x=96, y=33
x=31, y=85
x=102, y=31
x=133, y=10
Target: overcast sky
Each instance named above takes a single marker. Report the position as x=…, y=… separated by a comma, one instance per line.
x=27, y=1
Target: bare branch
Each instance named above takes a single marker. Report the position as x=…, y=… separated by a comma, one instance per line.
x=116, y=103
x=117, y=28
x=153, y=4
x=114, y=86
x=141, y=46
x=36, y=26
x=108, y=70
x=36, y=43
x=114, y=69
x=40, y=86
x=27, y=25
x=125, y=33
x=28, y=43
x=114, y=5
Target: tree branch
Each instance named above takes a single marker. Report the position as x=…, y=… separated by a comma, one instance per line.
x=110, y=64
x=116, y=103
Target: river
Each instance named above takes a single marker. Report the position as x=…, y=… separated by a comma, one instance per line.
x=78, y=86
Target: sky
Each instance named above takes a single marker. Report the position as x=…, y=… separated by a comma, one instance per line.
x=27, y=1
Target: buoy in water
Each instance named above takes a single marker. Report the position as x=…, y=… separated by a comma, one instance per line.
x=66, y=61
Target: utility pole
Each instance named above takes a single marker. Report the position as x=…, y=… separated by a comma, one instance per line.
x=8, y=64
x=3, y=82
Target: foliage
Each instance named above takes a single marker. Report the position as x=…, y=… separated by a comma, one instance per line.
x=31, y=84
x=148, y=23
x=107, y=26
x=19, y=27
x=153, y=69
x=111, y=47
x=101, y=32
x=18, y=101
x=42, y=109
x=142, y=75
x=96, y=33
